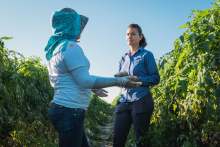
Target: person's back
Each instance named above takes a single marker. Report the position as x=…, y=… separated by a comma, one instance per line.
x=66, y=90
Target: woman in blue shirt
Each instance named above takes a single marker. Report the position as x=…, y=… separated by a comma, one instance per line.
x=135, y=104
x=68, y=69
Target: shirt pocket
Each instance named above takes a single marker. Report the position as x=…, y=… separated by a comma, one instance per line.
x=138, y=61
x=139, y=66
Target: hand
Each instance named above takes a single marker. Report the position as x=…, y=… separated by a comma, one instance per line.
x=121, y=74
x=133, y=78
x=100, y=92
x=129, y=82
x=124, y=74
x=133, y=82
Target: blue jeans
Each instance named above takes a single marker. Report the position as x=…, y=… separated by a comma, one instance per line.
x=69, y=122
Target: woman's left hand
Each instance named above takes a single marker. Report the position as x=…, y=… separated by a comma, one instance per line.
x=100, y=92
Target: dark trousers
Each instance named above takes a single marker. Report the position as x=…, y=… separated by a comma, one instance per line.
x=69, y=122
x=137, y=113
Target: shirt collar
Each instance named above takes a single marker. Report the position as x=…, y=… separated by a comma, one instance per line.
x=139, y=50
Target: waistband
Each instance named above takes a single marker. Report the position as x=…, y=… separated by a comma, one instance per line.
x=54, y=105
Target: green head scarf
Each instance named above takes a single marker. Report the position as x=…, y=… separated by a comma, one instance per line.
x=67, y=25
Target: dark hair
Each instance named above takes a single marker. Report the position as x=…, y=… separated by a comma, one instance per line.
x=143, y=42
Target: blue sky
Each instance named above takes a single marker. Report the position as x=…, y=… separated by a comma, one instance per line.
x=103, y=39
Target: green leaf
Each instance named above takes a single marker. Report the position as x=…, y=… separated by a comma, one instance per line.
x=184, y=26
x=6, y=38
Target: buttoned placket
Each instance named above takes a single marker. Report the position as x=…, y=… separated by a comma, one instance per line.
x=129, y=73
x=131, y=61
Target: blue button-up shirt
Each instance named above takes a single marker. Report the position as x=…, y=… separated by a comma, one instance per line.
x=141, y=64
